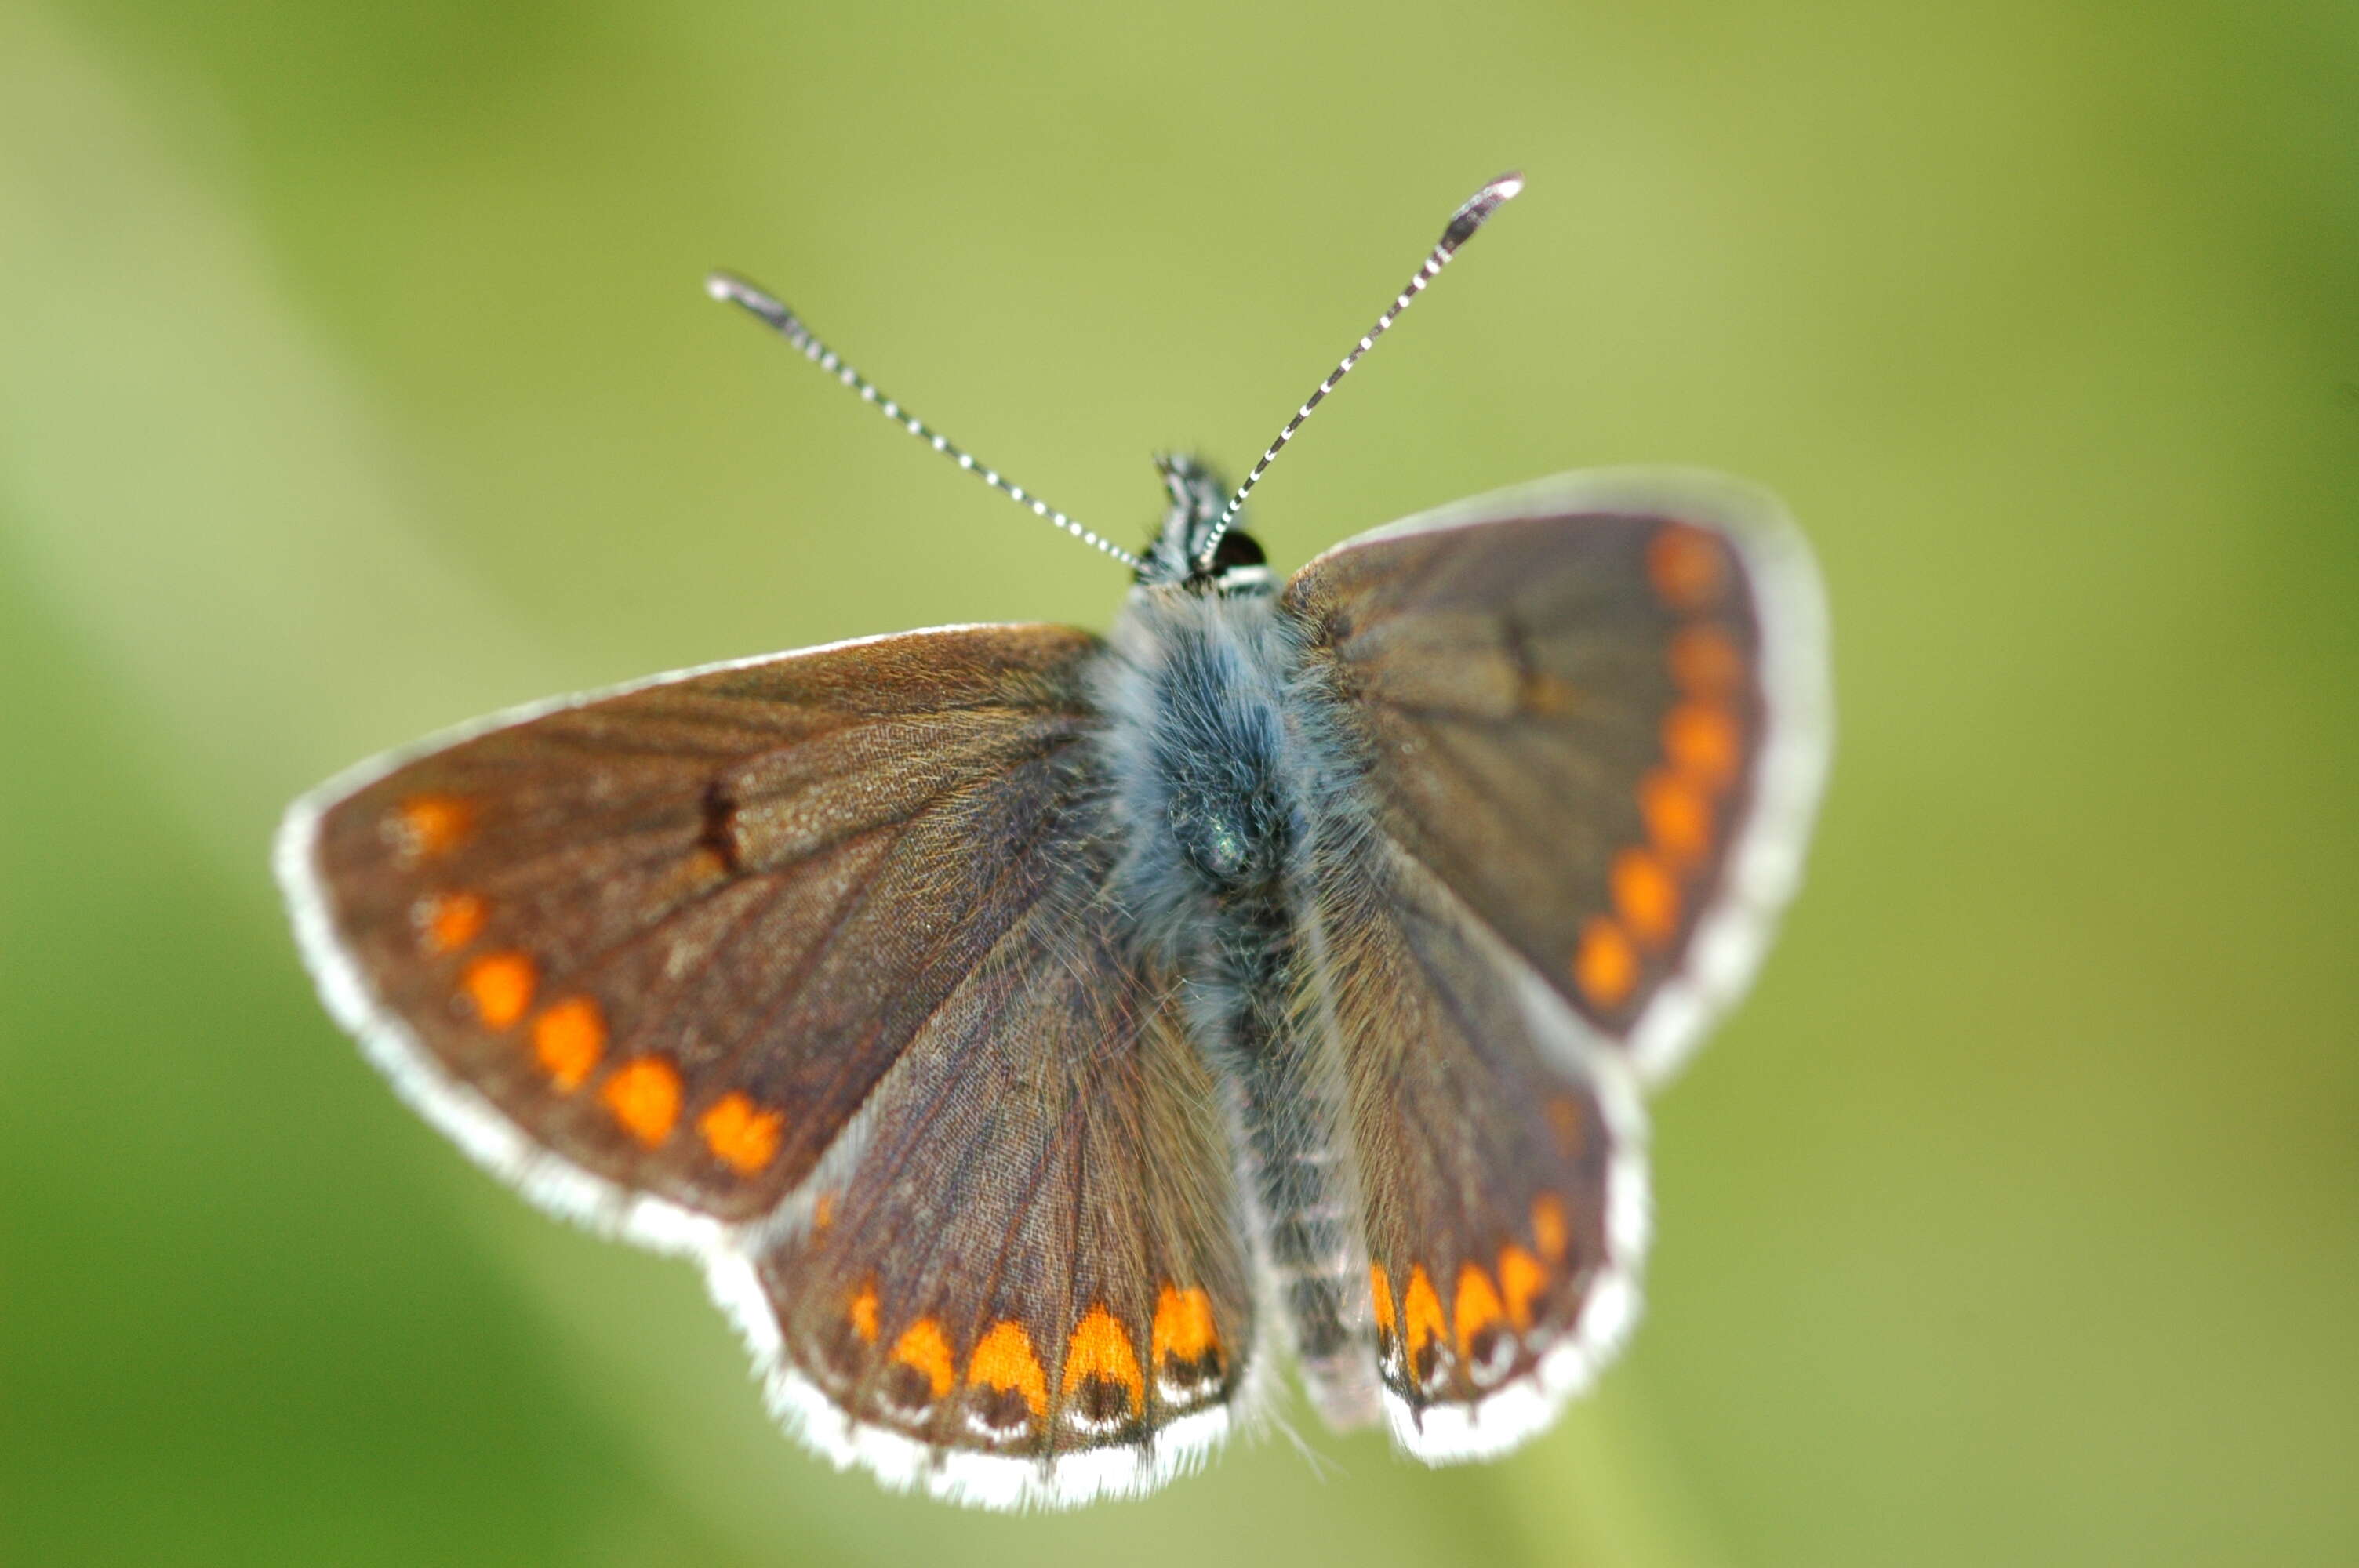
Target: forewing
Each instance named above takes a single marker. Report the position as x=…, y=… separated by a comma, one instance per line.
x=647, y=953
x=1596, y=709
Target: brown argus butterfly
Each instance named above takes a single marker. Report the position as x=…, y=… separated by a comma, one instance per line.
x=1032, y=1033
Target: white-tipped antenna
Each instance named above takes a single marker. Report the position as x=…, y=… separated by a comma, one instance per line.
x=1462, y=227
x=788, y=325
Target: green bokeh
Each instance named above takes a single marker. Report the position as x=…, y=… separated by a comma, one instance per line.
x=355, y=379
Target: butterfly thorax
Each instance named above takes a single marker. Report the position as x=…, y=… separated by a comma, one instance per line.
x=1200, y=760
x=1205, y=776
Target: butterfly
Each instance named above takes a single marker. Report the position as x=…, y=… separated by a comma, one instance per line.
x=1040, y=1037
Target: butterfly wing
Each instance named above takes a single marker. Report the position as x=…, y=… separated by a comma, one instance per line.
x=1029, y=1287
x=1579, y=730
x=1596, y=708
x=1500, y=1168
x=795, y=964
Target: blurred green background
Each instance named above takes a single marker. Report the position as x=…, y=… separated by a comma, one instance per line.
x=355, y=379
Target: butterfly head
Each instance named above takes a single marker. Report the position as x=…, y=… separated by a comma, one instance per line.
x=1199, y=495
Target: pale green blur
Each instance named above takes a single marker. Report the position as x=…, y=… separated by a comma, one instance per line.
x=355, y=378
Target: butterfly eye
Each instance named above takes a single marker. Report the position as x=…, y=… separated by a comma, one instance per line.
x=1237, y=550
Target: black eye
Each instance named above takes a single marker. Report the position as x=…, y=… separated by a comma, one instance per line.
x=1238, y=549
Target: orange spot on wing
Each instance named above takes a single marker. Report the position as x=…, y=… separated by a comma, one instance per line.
x=446, y=922
x=501, y=985
x=643, y=1094
x=1380, y=1286
x=1686, y=567
x=1645, y=897
x=1422, y=1315
x=1183, y=1328
x=1704, y=661
x=1678, y=816
x=1478, y=1307
x=1099, y=1347
x=1606, y=966
x=425, y=826
x=824, y=1211
x=1549, y=1228
x=1521, y=1279
x=862, y=1312
x=1701, y=739
x=738, y=1134
x=922, y=1347
x=567, y=1040
x=1005, y=1361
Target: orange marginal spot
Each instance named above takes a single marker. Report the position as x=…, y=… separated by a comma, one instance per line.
x=1548, y=1226
x=824, y=1211
x=1477, y=1309
x=500, y=985
x=1183, y=1326
x=863, y=1313
x=567, y=1040
x=922, y=1347
x=1380, y=1286
x=448, y=920
x=1421, y=1312
x=1702, y=742
x=1606, y=966
x=1679, y=818
x=1521, y=1279
x=1704, y=661
x=1005, y=1361
x=1686, y=565
x=1099, y=1347
x=738, y=1134
x=425, y=826
x=643, y=1094
x=1645, y=897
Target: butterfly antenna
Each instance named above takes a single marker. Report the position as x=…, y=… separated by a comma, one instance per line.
x=788, y=325
x=1463, y=224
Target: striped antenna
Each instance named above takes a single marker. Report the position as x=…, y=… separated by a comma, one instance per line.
x=787, y=324
x=1462, y=227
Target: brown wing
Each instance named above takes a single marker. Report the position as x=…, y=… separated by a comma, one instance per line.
x=1596, y=709
x=674, y=937
x=1501, y=1171
x=1030, y=1286
x=795, y=965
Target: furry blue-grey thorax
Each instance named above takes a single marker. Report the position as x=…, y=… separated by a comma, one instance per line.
x=1196, y=704
x=1207, y=775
